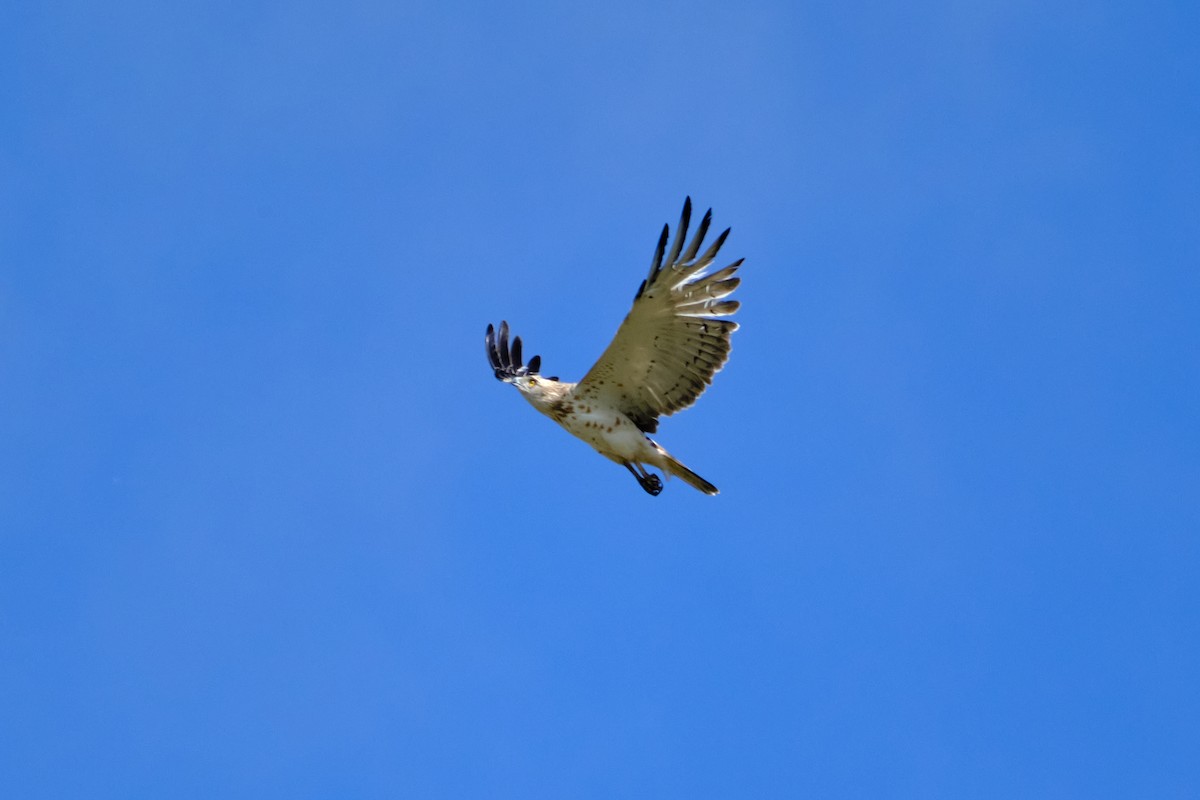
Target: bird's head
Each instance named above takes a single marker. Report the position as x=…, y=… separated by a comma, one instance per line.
x=506, y=364
x=538, y=388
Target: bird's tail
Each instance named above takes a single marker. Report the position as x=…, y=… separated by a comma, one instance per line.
x=673, y=467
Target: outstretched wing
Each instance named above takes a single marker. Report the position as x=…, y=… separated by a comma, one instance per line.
x=673, y=340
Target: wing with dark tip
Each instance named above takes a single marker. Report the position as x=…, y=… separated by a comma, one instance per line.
x=506, y=360
x=675, y=337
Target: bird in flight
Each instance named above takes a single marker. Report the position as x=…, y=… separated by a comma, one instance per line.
x=672, y=342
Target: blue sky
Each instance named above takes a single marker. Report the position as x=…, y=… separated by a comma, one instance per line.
x=269, y=528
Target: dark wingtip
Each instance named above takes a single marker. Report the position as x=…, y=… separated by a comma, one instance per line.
x=656, y=262
x=698, y=238
x=505, y=357
x=506, y=360
x=685, y=219
x=490, y=342
x=716, y=245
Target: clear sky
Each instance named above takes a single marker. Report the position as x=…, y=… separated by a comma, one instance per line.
x=269, y=528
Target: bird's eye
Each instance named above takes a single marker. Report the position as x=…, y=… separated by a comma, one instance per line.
x=533, y=381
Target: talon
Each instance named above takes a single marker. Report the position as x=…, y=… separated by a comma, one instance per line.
x=647, y=480
x=652, y=484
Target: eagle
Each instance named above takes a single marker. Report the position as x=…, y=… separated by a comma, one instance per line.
x=663, y=357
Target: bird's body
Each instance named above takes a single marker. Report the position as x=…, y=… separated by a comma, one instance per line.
x=663, y=357
x=612, y=433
